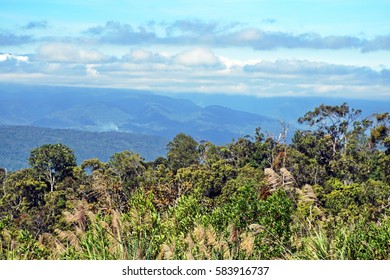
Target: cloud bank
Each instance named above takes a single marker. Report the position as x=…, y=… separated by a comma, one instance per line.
x=212, y=34
x=194, y=70
x=68, y=53
x=196, y=60
x=201, y=33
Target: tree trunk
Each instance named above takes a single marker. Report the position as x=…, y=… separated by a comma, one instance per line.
x=52, y=180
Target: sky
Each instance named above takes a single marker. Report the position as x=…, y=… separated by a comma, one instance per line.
x=262, y=48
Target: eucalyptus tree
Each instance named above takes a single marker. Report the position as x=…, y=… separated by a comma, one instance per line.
x=334, y=121
x=52, y=162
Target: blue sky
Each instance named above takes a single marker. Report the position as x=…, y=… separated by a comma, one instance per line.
x=251, y=47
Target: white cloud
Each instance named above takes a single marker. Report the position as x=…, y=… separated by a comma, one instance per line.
x=216, y=34
x=10, y=63
x=249, y=35
x=144, y=56
x=91, y=70
x=20, y=58
x=140, y=54
x=63, y=52
x=196, y=70
x=314, y=70
x=198, y=57
x=194, y=58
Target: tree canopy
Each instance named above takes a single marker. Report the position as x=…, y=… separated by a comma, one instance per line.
x=53, y=162
x=182, y=151
x=325, y=195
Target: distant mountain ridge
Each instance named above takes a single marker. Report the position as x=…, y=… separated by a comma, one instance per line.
x=98, y=109
x=97, y=122
x=288, y=108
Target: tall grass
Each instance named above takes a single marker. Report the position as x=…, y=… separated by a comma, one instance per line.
x=145, y=233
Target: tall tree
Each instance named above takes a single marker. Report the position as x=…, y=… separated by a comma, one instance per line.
x=334, y=121
x=127, y=166
x=182, y=151
x=380, y=132
x=53, y=162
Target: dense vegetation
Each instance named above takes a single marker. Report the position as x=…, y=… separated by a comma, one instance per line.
x=325, y=195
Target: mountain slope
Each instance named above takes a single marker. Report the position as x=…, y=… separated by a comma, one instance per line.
x=286, y=108
x=93, y=109
x=16, y=143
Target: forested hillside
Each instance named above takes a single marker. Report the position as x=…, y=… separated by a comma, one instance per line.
x=325, y=195
x=141, y=112
x=16, y=143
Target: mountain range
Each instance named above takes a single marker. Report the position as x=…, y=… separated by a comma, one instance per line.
x=141, y=112
x=288, y=108
x=97, y=122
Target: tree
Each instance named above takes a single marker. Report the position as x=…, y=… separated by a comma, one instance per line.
x=24, y=200
x=3, y=175
x=240, y=151
x=334, y=121
x=23, y=190
x=53, y=162
x=310, y=154
x=182, y=151
x=93, y=164
x=128, y=167
x=263, y=155
x=379, y=137
x=380, y=132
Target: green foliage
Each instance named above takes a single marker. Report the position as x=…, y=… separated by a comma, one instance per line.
x=3, y=175
x=363, y=240
x=358, y=240
x=348, y=201
x=93, y=164
x=23, y=247
x=128, y=167
x=187, y=212
x=53, y=162
x=324, y=196
x=240, y=210
x=182, y=151
x=23, y=190
x=334, y=121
